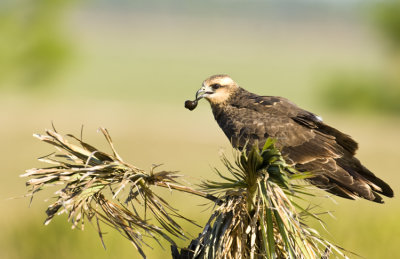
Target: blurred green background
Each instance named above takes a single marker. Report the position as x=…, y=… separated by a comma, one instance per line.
x=129, y=66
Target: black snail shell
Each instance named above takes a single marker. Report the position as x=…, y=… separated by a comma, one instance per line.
x=191, y=105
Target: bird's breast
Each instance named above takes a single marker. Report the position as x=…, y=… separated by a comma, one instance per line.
x=242, y=125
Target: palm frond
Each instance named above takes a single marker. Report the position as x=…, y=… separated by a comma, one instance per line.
x=86, y=175
x=259, y=216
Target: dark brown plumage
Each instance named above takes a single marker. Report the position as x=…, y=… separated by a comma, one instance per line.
x=305, y=141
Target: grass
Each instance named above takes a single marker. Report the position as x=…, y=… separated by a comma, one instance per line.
x=359, y=92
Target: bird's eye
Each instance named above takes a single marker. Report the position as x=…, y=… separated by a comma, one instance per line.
x=215, y=86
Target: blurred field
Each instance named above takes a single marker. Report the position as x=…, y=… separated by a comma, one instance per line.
x=131, y=73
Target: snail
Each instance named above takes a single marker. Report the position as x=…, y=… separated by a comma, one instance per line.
x=191, y=105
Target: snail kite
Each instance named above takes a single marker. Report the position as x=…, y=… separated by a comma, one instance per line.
x=305, y=141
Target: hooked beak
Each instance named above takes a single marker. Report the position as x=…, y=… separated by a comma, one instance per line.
x=204, y=91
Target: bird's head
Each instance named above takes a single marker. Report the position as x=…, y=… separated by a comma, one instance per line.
x=217, y=89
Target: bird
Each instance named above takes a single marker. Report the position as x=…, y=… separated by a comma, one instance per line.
x=304, y=140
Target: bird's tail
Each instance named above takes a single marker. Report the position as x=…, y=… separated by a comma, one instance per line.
x=365, y=183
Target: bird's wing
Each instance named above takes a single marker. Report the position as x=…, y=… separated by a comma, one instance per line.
x=297, y=131
x=309, y=145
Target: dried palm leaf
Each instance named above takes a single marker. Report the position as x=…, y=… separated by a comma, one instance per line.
x=87, y=175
